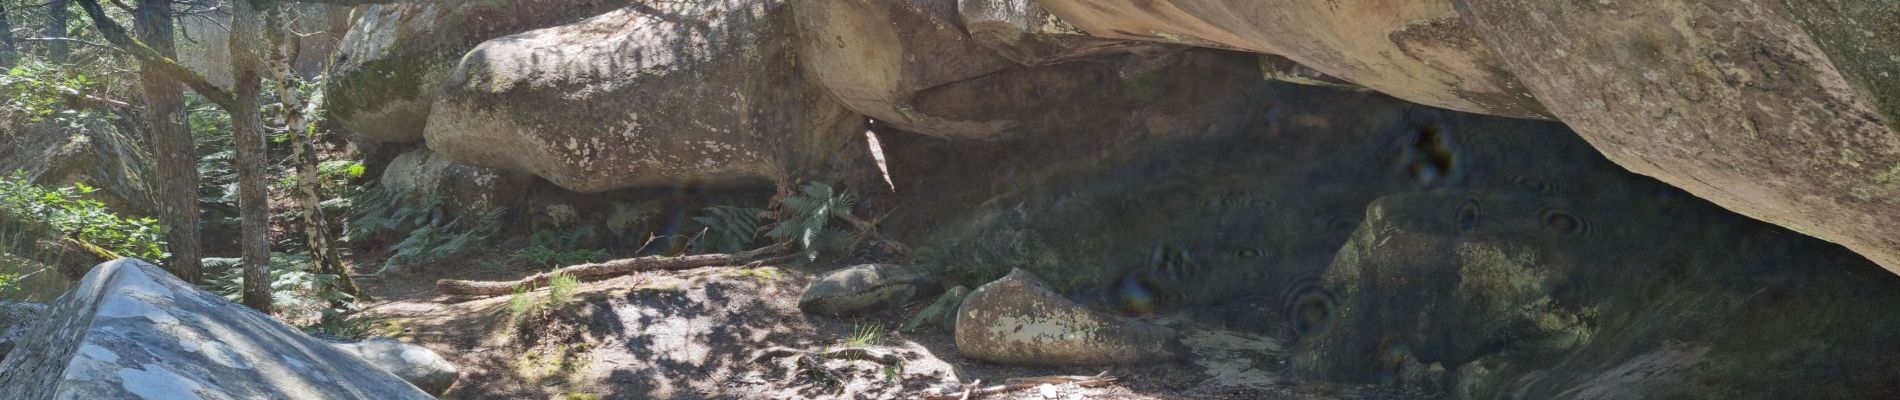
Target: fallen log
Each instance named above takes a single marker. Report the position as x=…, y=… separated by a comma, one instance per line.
x=606, y=269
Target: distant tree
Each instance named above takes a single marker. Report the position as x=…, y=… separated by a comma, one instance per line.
x=242, y=101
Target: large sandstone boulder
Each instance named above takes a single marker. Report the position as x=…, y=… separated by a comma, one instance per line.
x=1786, y=112
x=1020, y=320
x=390, y=64
x=1508, y=295
x=130, y=330
x=696, y=92
x=1420, y=51
x=874, y=55
x=1024, y=32
x=465, y=190
x=862, y=288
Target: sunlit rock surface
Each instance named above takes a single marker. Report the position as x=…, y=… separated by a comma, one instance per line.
x=390, y=64
x=705, y=92
x=416, y=364
x=1785, y=112
x=130, y=330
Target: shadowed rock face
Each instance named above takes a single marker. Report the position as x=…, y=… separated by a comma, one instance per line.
x=467, y=191
x=1515, y=257
x=1489, y=295
x=1419, y=51
x=703, y=92
x=130, y=330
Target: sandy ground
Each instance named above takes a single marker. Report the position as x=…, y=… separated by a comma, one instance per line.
x=695, y=334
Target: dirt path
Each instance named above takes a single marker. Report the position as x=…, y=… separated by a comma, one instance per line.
x=694, y=334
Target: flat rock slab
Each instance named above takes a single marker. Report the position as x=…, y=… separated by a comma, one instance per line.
x=129, y=330
x=862, y=288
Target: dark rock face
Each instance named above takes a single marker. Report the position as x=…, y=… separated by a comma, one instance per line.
x=647, y=96
x=130, y=330
x=1510, y=258
x=1511, y=295
x=465, y=190
x=862, y=288
x=1420, y=51
x=15, y=320
x=1021, y=320
x=390, y=65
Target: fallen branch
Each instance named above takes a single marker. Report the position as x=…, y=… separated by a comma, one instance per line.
x=1015, y=384
x=607, y=269
x=853, y=353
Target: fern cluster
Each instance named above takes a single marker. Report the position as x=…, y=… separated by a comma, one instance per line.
x=296, y=292
x=427, y=235
x=554, y=249
x=728, y=229
x=807, y=221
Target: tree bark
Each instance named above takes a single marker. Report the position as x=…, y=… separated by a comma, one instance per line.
x=309, y=195
x=607, y=269
x=173, y=155
x=247, y=127
x=56, y=17
x=8, y=49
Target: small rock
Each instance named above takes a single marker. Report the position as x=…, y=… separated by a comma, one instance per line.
x=1022, y=321
x=416, y=364
x=942, y=313
x=862, y=288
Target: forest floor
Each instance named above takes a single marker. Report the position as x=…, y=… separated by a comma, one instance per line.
x=695, y=334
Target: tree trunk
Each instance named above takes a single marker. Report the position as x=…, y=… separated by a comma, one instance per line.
x=248, y=128
x=7, y=47
x=174, y=158
x=56, y=18
x=309, y=195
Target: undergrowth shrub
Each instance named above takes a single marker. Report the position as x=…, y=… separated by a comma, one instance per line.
x=807, y=221
x=297, y=294
x=426, y=234
x=550, y=248
x=729, y=229
x=28, y=210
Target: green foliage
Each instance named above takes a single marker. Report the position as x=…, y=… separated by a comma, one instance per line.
x=296, y=293
x=554, y=249
x=66, y=212
x=808, y=217
x=728, y=229
x=37, y=91
x=870, y=334
x=561, y=288
x=426, y=234
x=520, y=304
